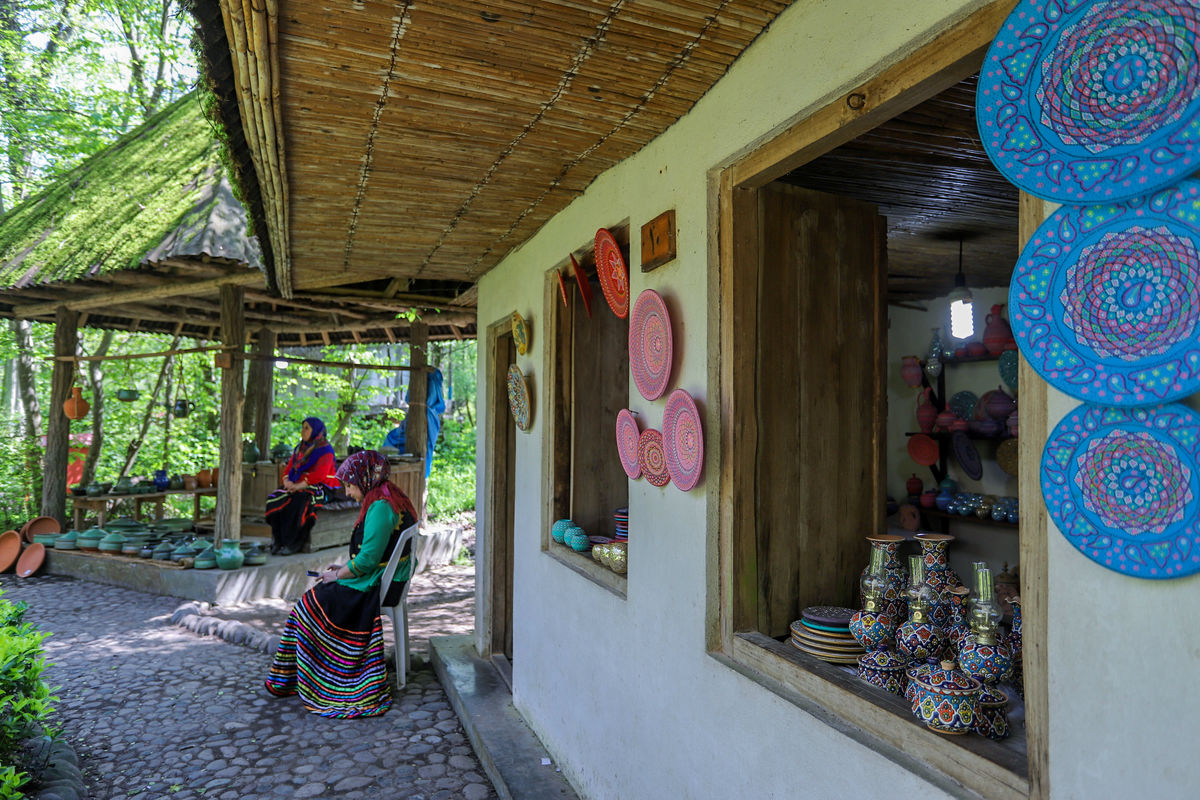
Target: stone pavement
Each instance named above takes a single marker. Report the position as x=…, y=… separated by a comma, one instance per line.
x=155, y=711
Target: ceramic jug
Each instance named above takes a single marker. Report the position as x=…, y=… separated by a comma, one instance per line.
x=161, y=481
x=75, y=407
x=183, y=407
x=910, y=371
x=926, y=411
x=996, y=334
x=249, y=453
x=229, y=555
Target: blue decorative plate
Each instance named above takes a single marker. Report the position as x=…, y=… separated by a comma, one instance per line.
x=963, y=404
x=1008, y=368
x=1097, y=103
x=1123, y=486
x=1105, y=300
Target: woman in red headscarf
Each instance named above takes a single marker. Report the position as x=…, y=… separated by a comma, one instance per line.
x=308, y=484
x=331, y=651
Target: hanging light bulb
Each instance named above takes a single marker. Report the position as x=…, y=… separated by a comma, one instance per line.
x=962, y=310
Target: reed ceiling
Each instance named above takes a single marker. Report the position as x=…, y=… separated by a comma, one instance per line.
x=420, y=142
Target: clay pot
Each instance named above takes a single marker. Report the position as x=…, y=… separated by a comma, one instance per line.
x=976, y=349
x=945, y=419
x=929, y=499
x=910, y=371
x=212, y=476
x=996, y=333
x=75, y=406
x=926, y=411
x=190, y=483
x=998, y=404
x=204, y=479
x=914, y=486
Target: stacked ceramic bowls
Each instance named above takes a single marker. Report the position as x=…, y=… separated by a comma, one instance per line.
x=824, y=632
x=621, y=524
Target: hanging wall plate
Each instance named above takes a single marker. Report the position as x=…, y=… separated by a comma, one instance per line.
x=518, y=398
x=1123, y=487
x=627, y=443
x=1095, y=104
x=652, y=459
x=520, y=332
x=1105, y=300
x=650, y=345
x=967, y=455
x=613, y=272
x=683, y=440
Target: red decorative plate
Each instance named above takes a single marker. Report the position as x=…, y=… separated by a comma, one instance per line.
x=923, y=449
x=627, y=443
x=562, y=288
x=683, y=440
x=652, y=459
x=613, y=272
x=650, y=345
x=585, y=286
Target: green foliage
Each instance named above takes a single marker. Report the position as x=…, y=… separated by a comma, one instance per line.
x=452, y=480
x=25, y=699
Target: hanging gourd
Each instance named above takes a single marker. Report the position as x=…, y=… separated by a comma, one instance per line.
x=75, y=406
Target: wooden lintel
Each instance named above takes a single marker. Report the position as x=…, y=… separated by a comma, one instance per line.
x=158, y=291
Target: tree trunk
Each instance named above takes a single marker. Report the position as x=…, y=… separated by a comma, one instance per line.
x=58, y=429
x=229, y=480
x=96, y=379
x=164, y=374
x=260, y=392
x=26, y=383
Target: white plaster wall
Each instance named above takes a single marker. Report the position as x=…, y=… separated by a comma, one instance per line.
x=622, y=691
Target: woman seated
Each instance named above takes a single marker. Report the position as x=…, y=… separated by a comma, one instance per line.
x=331, y=651
x=308, y=484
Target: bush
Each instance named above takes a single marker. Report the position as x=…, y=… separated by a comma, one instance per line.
x=24, y=697
x=452, y=479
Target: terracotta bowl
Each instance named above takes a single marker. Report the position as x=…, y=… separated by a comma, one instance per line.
x=31, y=560
x=10, y=549
x=40, y=525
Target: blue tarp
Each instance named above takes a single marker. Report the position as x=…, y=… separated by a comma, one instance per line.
x=435, y=404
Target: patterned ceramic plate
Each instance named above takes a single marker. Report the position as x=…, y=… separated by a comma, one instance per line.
x=683, y=440
x=1105, y=300
x=923, y=449
x=963, y=404
x=585, y=286
x=1123, y=486
x=613, y=272
x=520, y=330
x=1008, y=368
x=967, y=455
x=1006, y=456
x=828, y=615
x=1097, y=104
x=518, y=398
x=627, y=443
x=652, y=459
x=650, y=345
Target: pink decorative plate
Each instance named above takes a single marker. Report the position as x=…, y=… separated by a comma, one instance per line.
x=650, y=345
x=627, y=443
x=683, y=440
x=613, y=272
x=652, y=458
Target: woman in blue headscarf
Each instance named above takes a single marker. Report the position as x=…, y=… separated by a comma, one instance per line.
x=308, y=483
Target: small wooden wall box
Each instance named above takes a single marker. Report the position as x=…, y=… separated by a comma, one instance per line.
x=658, y=241
x=223, y=360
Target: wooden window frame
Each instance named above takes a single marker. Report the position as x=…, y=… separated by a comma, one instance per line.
x=884, y=724
x=557, y=452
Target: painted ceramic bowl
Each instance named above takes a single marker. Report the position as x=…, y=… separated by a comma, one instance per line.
x=992, y=720
x=68, y=541
x=559, y=530
x=948, y=699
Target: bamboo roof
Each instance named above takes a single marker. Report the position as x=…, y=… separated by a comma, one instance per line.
x=142, y=235
x=418, y=143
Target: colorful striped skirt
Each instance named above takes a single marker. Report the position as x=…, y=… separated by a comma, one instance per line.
x=331, y=654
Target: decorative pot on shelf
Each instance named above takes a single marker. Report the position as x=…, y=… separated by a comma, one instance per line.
x=934, y=355
x=927, y=412
x=281, y=453
x=996, y=332
x=95, y=489
x=229, y=555
x=982, y=653
x=992, y=719
x=203, y=479
x=870, y=626
x=124, y=485
x=910, y=370
x=1012, y=423
x=938, y=575
x=161, y=481
x=558, y=530
x=945, y=419
x=998, y=404
x=1014, y=640
x=895, y=575
x=976, y=349
x=944, y=498
x=958, y=628
x=176, y=482
x=929, y=499
x=75, y=407
x=189, y=482
x=919, y=637
x=249, y=452
x=948, y=699
x=884, y=669
x=913, y=486
x=255, y=556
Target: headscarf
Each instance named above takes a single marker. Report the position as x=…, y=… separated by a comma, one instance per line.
x=368, y=470
x=306, y=454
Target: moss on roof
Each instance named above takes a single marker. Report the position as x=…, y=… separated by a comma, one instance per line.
x=126, y=203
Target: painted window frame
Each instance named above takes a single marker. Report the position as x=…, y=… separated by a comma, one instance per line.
x=886, y=725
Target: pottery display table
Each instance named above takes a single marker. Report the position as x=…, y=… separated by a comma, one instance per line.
x=102, y=505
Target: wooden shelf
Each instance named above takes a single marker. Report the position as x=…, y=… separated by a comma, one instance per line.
x=939, y=514
x=945, y=435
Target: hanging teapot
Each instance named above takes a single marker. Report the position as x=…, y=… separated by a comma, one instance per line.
x=161, y=481
x=183, y=407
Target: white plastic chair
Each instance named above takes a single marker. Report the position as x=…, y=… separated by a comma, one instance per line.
x=399, y=612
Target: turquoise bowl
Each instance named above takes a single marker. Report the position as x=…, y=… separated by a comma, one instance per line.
x=559, y=529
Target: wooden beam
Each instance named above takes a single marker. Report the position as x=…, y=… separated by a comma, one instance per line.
x=157, y=292
x=416, y=429
x=127, y=356
x=255, y=356
x=58, y=426
x=397, y=285
x=228, y=522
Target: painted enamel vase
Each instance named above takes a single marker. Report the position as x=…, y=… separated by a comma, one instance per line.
x=895, y=575
x=938, y=575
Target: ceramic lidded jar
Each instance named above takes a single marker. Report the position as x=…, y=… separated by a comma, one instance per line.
x=948, y=699
x=884, y=669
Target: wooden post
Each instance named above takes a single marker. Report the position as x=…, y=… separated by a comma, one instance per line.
x=229, y=480
x=417, y=428
x=260, y=392
x=58, y=427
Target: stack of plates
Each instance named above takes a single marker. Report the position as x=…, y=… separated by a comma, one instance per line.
x=621, y=527
x=824, y=632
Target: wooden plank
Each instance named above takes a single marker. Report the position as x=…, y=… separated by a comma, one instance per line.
x=228, y=515
x=1034, y=546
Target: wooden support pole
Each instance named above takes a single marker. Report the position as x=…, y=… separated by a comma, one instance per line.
x=229, y=479
x=264, y=384
x=417, y=428
x=58, y=427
